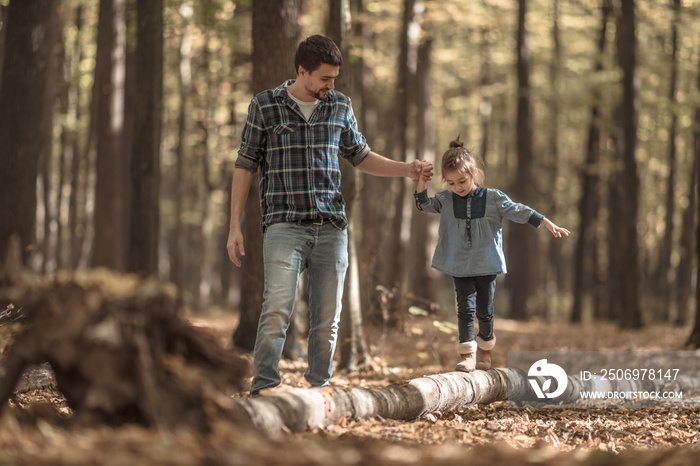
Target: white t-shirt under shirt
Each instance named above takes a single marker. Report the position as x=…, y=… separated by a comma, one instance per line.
x=307, y=108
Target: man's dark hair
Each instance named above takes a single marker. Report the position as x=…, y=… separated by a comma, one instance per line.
x=316, y=50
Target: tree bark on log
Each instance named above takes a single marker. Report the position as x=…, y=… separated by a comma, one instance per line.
x=304, y=409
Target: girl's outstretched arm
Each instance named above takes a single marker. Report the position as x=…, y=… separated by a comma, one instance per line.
x=556, y=231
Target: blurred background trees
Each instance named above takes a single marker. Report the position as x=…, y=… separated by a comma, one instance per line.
x=117, y=142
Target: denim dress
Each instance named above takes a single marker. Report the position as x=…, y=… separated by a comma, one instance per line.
x=470, y=239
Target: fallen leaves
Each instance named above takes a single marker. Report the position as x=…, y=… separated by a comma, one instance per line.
x=478, y=435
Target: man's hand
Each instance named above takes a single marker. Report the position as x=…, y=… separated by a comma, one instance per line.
x=235, y=240
x=421, y=169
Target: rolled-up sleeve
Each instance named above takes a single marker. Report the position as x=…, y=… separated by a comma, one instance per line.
x=353, y=145
x=253, y=140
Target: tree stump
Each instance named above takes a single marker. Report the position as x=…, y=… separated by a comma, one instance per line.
x=122, y=353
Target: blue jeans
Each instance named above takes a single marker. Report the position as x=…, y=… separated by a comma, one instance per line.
x=288, y=250
x=475, y=298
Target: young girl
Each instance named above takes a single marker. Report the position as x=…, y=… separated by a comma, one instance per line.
x=470, y=248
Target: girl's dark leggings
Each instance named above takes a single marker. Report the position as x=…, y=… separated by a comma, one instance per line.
x=475, y=299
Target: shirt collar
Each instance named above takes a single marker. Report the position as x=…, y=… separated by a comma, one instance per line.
x=280, y=92
x=479, y=192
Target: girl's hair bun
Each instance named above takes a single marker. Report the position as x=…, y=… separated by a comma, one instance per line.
x=456, y=143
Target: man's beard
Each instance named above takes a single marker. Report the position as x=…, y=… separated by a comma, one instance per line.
x=318, y=95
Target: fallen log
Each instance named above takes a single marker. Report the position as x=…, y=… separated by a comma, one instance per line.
x=302, y=409
x=432, y=395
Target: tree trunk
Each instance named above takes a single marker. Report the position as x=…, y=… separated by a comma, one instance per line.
x=630, y=312
x=374, y=194
x=522, y=252
x=552, y=270
x=75, y=158
x=178, y=246
x=354, y=350
x=45, y=254
x=664, y=269
x=63, y=97
x=590, y=198
x=429, y=396
x=485, y=81
x=694, y=338
x=198, y=283
x=111, y=225
x=613, y=226
x=395, y=260
x=420, y=283
x=145, y=162
x=685, y=267
x=275, y=37
x=26, y=105
x=352, y=347
x=3, y=29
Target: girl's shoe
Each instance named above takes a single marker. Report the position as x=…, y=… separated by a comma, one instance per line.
x=468, y=358
x=483, y=352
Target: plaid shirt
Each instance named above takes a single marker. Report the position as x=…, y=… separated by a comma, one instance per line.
x=297, y=160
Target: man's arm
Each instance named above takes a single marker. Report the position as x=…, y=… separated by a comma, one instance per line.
x=378, y=165
x=242, y=179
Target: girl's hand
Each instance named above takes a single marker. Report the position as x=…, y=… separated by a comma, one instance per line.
x=556, y=231
x=424, y=175
x=426, y=170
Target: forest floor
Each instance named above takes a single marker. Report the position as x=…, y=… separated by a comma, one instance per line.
x=480, y=435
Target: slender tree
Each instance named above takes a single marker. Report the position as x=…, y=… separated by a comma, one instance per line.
x=371, y=192
x=584, y=263
x=111, y=201
x=3, y=30
x=26, y=104
x=45, y=259
x=664, y=269
x=199, y=163
x=145, y=161
x=420, y=283
x=687, y=244
x=694, y=337
x=352, y=347
x=685, y=266
x=552, y=270
x=485, y=81
x=78, y=218
x=408, y=40
x=630, y=312
x=614, y=238
x=178, y=244
x=275, y=36
x=522, y=267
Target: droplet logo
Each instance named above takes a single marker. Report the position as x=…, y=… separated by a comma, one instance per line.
x=549, y=371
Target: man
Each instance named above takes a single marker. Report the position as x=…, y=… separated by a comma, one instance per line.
x=293, y=137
